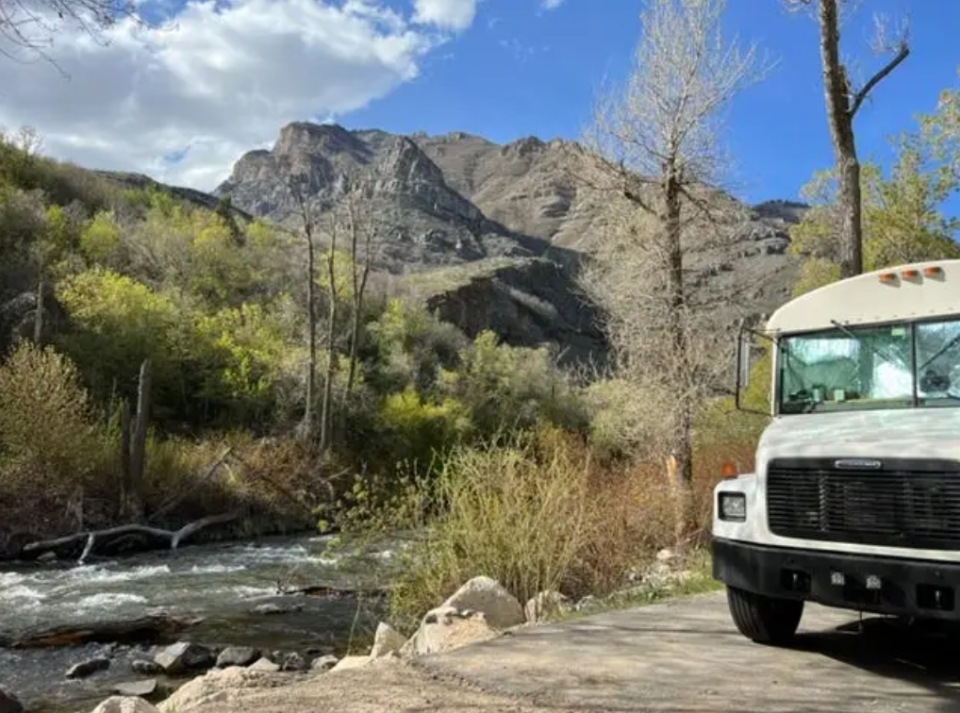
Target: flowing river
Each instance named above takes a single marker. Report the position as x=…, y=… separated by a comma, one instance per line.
x=221, y=583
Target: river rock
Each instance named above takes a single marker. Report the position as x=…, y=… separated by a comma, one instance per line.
x=237, y=656
x=545, y=604
x=185, y=656
x=484, y=594
x=125, y=704
x=386, y=641
x=324, y=663
x=293, y=662
x=445, y=628
x=9, y=703
x=265, y=665
x=88, y=667
x=146, y=668
x=142, y=689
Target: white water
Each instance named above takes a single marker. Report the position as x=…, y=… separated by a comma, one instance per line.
x=220, y=583
x=198, y=581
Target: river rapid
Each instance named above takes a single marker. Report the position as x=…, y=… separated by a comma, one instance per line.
x=221, y=583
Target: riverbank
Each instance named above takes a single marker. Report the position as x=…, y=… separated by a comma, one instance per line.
x=479, y=611
x=228, y=586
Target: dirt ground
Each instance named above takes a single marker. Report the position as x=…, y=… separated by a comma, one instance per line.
x=682, y=656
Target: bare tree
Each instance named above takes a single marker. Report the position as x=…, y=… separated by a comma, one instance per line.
x=28, y=27
x=842, y=102
x=307, y=225
x=326, y=405
x=360, y=273
x=653, y=152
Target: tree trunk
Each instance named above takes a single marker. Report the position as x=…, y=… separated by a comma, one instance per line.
x=681, y=445
x=38, y=315
x=837, y=92
x=327, y=403
x=126, y=484
x=308, y=418
x=139, y=445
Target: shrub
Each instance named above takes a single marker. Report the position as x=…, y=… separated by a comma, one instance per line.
x=509, y=388
x=48, y=445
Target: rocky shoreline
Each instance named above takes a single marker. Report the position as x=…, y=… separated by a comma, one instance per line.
x=180, y=677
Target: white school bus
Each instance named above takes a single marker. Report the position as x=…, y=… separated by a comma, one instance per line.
x=854, y=501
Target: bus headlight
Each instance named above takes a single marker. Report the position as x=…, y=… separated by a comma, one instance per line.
x=733, y=507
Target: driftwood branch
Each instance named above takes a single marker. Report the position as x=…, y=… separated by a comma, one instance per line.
x=150, y=628
x=175, y=537
x=902, y=53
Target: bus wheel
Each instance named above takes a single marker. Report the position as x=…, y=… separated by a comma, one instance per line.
x=765, y=620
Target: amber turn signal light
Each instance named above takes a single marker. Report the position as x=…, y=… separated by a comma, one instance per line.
x=728, y=470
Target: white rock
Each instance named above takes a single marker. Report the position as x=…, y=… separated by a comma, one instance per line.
x=124, y=704
x=349, y=662
x=545, y=604
x=264, y=665
x=217, y=686
x=483, y=594
x=442, y=631
x=386, y=641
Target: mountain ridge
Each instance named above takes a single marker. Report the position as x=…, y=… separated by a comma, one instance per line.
x=459, y=199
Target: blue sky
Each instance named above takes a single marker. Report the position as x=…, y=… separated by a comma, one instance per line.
x=184, y=102
x=520, y=70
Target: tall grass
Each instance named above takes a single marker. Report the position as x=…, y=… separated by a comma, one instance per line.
x=535, y=512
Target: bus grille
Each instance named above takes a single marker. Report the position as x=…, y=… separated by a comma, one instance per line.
x=903, y=503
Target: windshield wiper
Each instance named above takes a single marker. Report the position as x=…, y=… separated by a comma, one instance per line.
x=950, y=345
x=897, y=360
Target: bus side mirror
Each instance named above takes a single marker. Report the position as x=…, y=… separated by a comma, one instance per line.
x=745, y=347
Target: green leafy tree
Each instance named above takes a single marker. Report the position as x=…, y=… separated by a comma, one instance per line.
x=902, y=216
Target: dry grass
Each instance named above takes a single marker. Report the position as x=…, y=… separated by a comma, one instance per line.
x=537, y=513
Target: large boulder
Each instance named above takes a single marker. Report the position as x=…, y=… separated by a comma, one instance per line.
x=185, y=656
x=125, y=704
x=386, y=641
x=484, y=594
x=217, y=686
x=9, y=703
x=446, y=628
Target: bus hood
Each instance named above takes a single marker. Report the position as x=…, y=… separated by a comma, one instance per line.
x=920, y=432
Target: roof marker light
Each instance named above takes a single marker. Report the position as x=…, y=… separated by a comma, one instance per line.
x=910, y=273
x=888, y=277
x=933, y=271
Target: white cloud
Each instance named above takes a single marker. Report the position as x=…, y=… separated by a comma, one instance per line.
x=550, y=4
x=448, y=14
x=219, y=81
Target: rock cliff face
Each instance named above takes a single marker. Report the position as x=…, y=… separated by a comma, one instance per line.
x=422, y=221
x=457, y=200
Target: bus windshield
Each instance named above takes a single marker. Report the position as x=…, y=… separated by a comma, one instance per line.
x=905, y=365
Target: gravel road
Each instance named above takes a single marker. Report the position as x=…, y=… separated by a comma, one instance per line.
x=682, y=656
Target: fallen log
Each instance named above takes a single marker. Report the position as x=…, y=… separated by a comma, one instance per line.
x=153, y=628
x=321, y=590
x=174, y=537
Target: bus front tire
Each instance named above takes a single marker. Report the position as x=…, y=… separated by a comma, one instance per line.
x=765, y=620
